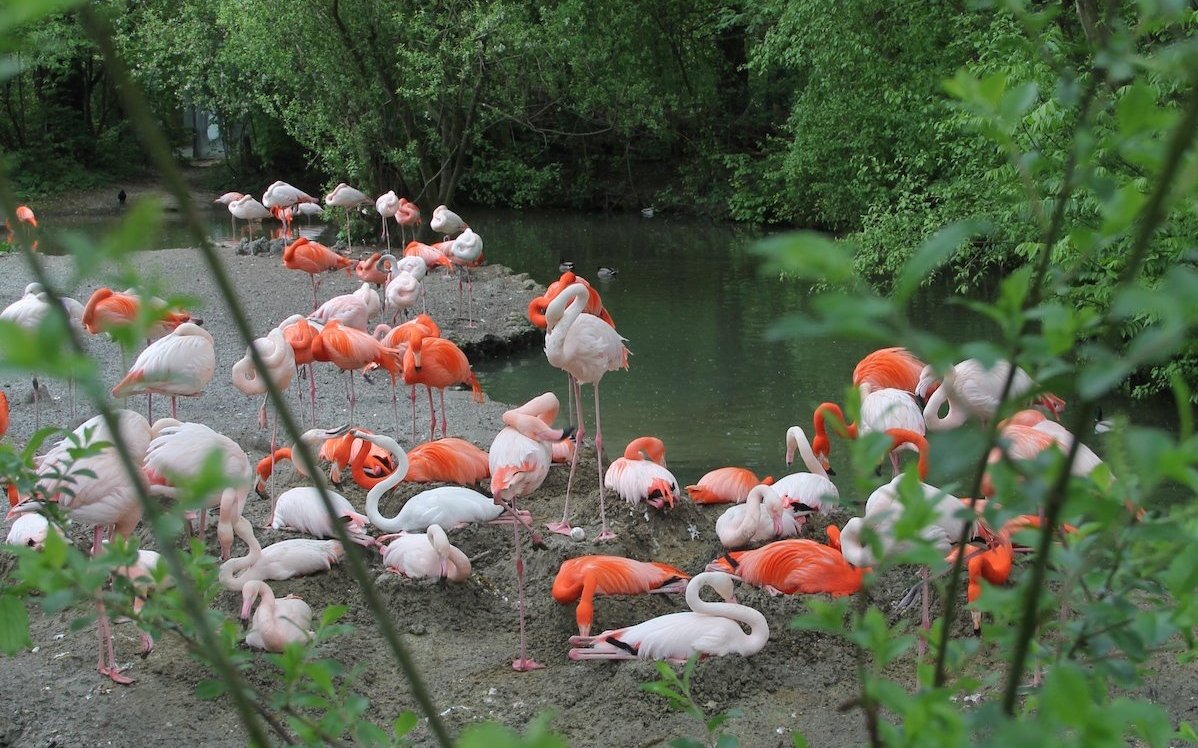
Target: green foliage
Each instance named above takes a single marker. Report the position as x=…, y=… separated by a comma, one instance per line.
x=677, y=692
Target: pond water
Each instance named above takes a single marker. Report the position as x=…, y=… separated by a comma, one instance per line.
x=689, y=298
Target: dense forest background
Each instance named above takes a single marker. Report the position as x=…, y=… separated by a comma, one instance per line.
x=812, y=113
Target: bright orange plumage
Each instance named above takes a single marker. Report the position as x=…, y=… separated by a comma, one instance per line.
x=726, y=485
x=820, y=444
x=537, y=307
x=449, y=460
x=313, y=257
x=889, y=367
x=794, y=566
x=107, y=309
x=350, y=349
x=438, y=363
x=586, y=576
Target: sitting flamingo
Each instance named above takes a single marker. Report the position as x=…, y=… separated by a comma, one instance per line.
x=762, y=517
x=709, y=630
x=586, y=576
x=301, y=509
x=641, y=474
x=425, y=554
x=726, y=485
x=794, y=566
x=276, y=623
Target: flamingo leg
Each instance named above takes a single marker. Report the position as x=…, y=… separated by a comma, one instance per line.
x=150, y=407
x=352, y=397
x=174, y=407
x=521, y=664
x=432, y=414
x=314, y=284
x=106, y=664
x=925, y=621
x=604, y=533
x=413, y=399
x=312, y=390
x=469, y=299
x=563, y=527
x=444, y=422
x=37, y=405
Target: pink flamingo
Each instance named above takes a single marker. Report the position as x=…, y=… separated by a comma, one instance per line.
x=761, y=518
x=424, y=555
x=276, y=623
x=641, y=474
x=344, y=196
x=446, y=222
x=708, y=629
x=314, y=258
x=585, y=347
x=970, y=389
x=726, y=485
x=351, y=350
x=179, y=364
x=387, y=206
x=467, y=252
x=812, y=491
x=408, y=215
x=350, y=309
x=300, y=335
x=301, y=509
x=95, y=491
x=28, y=313
x=520, y=457
x=280, y=198
x=890, y=408
x=285, y=559
x=249, y=210
x=179, y=453
x=225, y=200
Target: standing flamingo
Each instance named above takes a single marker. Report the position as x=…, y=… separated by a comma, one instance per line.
x=276, y=623
x=709, y=629
x=314, y=258
x=28, y=313
x=107, y=310
x=280, y=198
x=372, y=270
x=519, y=458
x=350, y=309
x=279, y=358
x=446, y=222
x=180, y=364
x=971, y=389
x=387, y=206
x=350, y=350
x=300, y=335
x=820, y=444
x=249, y=210
x=585, y=347
x=584, y=577
x=344, y=196
x=894, y=367
x=408, y=215
x=24, y=216
x=225, y=200
x=437, y=363
x=889, y=408
x=467, y=252
x=641, y=474
x=180, y=452
x=96, y=491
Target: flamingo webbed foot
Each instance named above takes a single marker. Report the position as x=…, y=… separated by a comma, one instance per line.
x=525, y=665
x=114, y=673
x=561, y=528
x=606, y=534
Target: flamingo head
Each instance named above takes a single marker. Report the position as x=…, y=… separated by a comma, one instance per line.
x=728, y=563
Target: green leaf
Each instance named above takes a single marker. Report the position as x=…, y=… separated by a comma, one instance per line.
x=14, y=625
x=808, y=256
x=930, y=255
x=405, y=723
x=209, y=689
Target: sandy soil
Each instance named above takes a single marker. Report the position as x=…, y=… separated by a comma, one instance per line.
x=463, y=636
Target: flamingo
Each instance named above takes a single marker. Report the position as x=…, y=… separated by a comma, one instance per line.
x=278, y=561
x=971, y=389
x=301, y=336
x=249, y=210
x=369, y=297
x=180, y=364
x=28, y=313
x=433, y=258
x=280, y=198
x=761, y=518
x=387, y=206
x=795, y=566
x=344, y=196
x=448, y=460
x=584, y=577
x=143, y=576
x=402, y=291
x=336, y=447
x=446, y=222
x=812, y=491
x=350, y=309
x=1025, y=443
x=180, y=452
x=309, y=210
x=425, y=554
x=726, y=485
x=641, y=474
x=30, y=530
x=890, y=408
x=407, y=215
x=467, y=252
x=709, y=630
x=301, y=509
x=820, y=444
x=519, y=458
x=24, y=216
x=95, y=490
x=225, y=200
x=372, y=271
x=107, y=310
x=276, y=623
x=895, y=368
x=586, y=348
x=349, y=350
x=437, y=363
x=448, y=506
x=278, y=357
x=314, y=258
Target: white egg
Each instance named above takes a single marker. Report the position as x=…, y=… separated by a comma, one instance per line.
x=578, y=533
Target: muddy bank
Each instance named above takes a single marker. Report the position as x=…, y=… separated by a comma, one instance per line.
x=462, y=636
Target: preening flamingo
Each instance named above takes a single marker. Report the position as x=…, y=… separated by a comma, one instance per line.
x=25, y=218
x=584, y=577
x=351, y=350
x=812, y=491
x=709, y=630
x=437, y=363
x=179, y=453
x=301, y=336
x=761, y=518
x=107, y=310
x=889, y=408
x=278, y=561
x=971, y=390
x=95, y=491
x=301, y=509
x=538, y=307
x=726, y=485
x=276, y=623
x=641, y=474
x=314, y=258
x=179, y=364
x=796, y=566
x=433, y=258
x=425, y=555
x=408, y=215
x=344, y=196
x=373, y=270
x=28, y=313
x=519, y=458
x=279, y=358
x=387, y=205
x=350, y=309
x=225, y=200
x=586, y=348
x=1025, y=443
x=820, y=444
x=280, y=198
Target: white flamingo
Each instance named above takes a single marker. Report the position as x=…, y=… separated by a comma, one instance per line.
x=810, y=491
x=276, y=622
x=761, y=518
x=425, y=555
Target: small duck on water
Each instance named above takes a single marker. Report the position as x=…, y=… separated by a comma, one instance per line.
x=607, y=272
x=565, y=266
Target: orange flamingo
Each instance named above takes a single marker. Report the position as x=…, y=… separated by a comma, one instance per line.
x=641, y=474
x=586, y=576
x=107, y=310
x=820, y=444
x=437, y=363
x=314, y=258
x=895, y=368
x=794, y=566
x=726, y=485
x=25, y=216
x=408, y=215
x=350, y=350
x=433, y=258
x=368, y=270
x=448, y=460
x=540, y=304
x=300, y=335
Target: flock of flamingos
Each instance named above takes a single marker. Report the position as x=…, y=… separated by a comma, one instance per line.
x=900, y=397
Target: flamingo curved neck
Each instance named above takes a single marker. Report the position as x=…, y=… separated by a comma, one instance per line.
x=232, y=572
x=795, y=438
x=386, y=524
x=850, y=545
x=956, y=411
x=759, y=630
x=567, y=307
x=750, y=517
